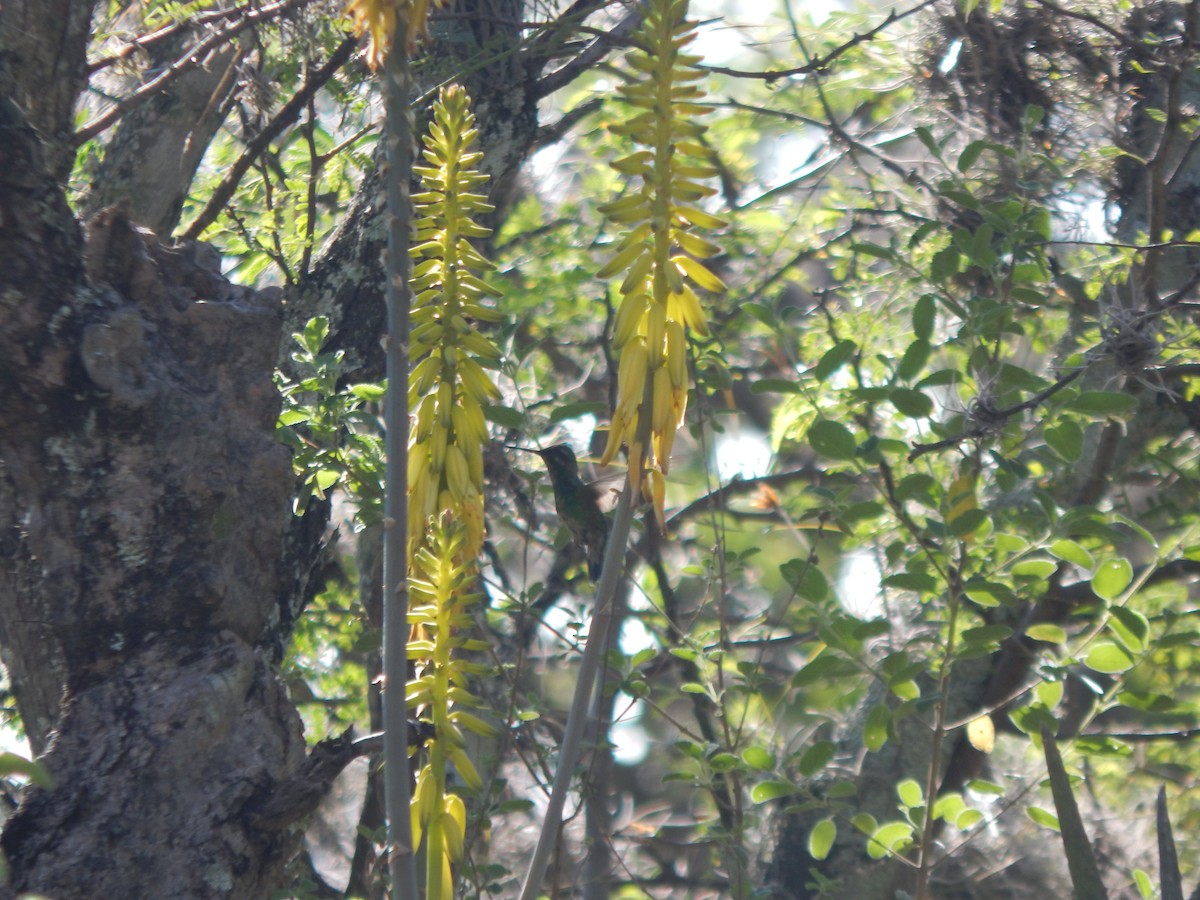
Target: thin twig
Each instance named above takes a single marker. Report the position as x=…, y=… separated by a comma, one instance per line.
x=146, y=41
x=590, y=55
x=995, y=416
x=823, y=62
x=190, y=60
x=550, y=134
x=282, y=119
x=315, y=161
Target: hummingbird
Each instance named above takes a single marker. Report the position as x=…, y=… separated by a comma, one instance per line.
x=578, y=504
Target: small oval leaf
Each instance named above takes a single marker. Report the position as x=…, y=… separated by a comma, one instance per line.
x=1109, y=658
x=1112, y=577
x=765, y=791
x=832, y=439
x=1071, y=552
x=815, y=758
x=821, y=838
x=1051, y=634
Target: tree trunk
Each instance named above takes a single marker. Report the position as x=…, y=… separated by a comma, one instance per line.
x=144, y=502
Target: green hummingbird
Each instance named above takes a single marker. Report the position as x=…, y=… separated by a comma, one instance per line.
x=578, y=504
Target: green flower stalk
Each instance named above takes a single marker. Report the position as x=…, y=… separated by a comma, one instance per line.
x=660, y=252
x=449, y=383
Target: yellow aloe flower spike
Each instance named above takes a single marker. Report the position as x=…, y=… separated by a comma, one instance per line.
x=658, y=257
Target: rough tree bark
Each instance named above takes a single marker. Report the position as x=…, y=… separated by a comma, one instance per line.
x=144, y=502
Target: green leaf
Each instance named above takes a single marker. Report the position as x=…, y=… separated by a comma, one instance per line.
x=1042, y=817
x=762, y=313
x=835, y=357
x=905, y=689
x=986, y=634
x=1109, y=658
x=765, y=791
x=1065, y=439
x=925, y=136
x=723, y=762
x=945, y=264
x=923, y=315
x=865, y=822
x=821, y=838
x=922, y=232
x=816, y=758
x=919, y=582
x=911, y=403
x=292, y=417
x=910, y=793
x=1034, y=568
x=1049, y=693
x=1103, y=403
x=949, y=807
x=967, y=522
x=326, y=478
x=1112, y=577
x=869, y=249
x=808, y=580
x=369, y=391
x=824, y=667
x=842, y=790
x=758, y=758
x=1144, y=885
x=1032, y=718
x=1051, y=634
x=917, y=486
x=967, y=819
x=894, y=837
x=832, y=440
x=1130, y=627
x=875, y=729
x=774, y=386
x=1071, y=552
x=970, y=153
x=316, y=330
x=988, y=593
x=914, y=359
x=504, y=416
x=986, y=787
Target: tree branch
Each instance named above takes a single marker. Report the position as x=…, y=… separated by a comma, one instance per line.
x=823, y=62
x=147, y=41
x=590, y=55
x=994, y=417
x=185, y=63
x=288, y=114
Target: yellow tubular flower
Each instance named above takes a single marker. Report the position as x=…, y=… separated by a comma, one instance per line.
x=378, y=18
x=449, y=385
x=441, y=593
x=448, y=389
x=659, y=257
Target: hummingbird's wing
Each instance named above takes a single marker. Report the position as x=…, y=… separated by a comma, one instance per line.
x=607, y=490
